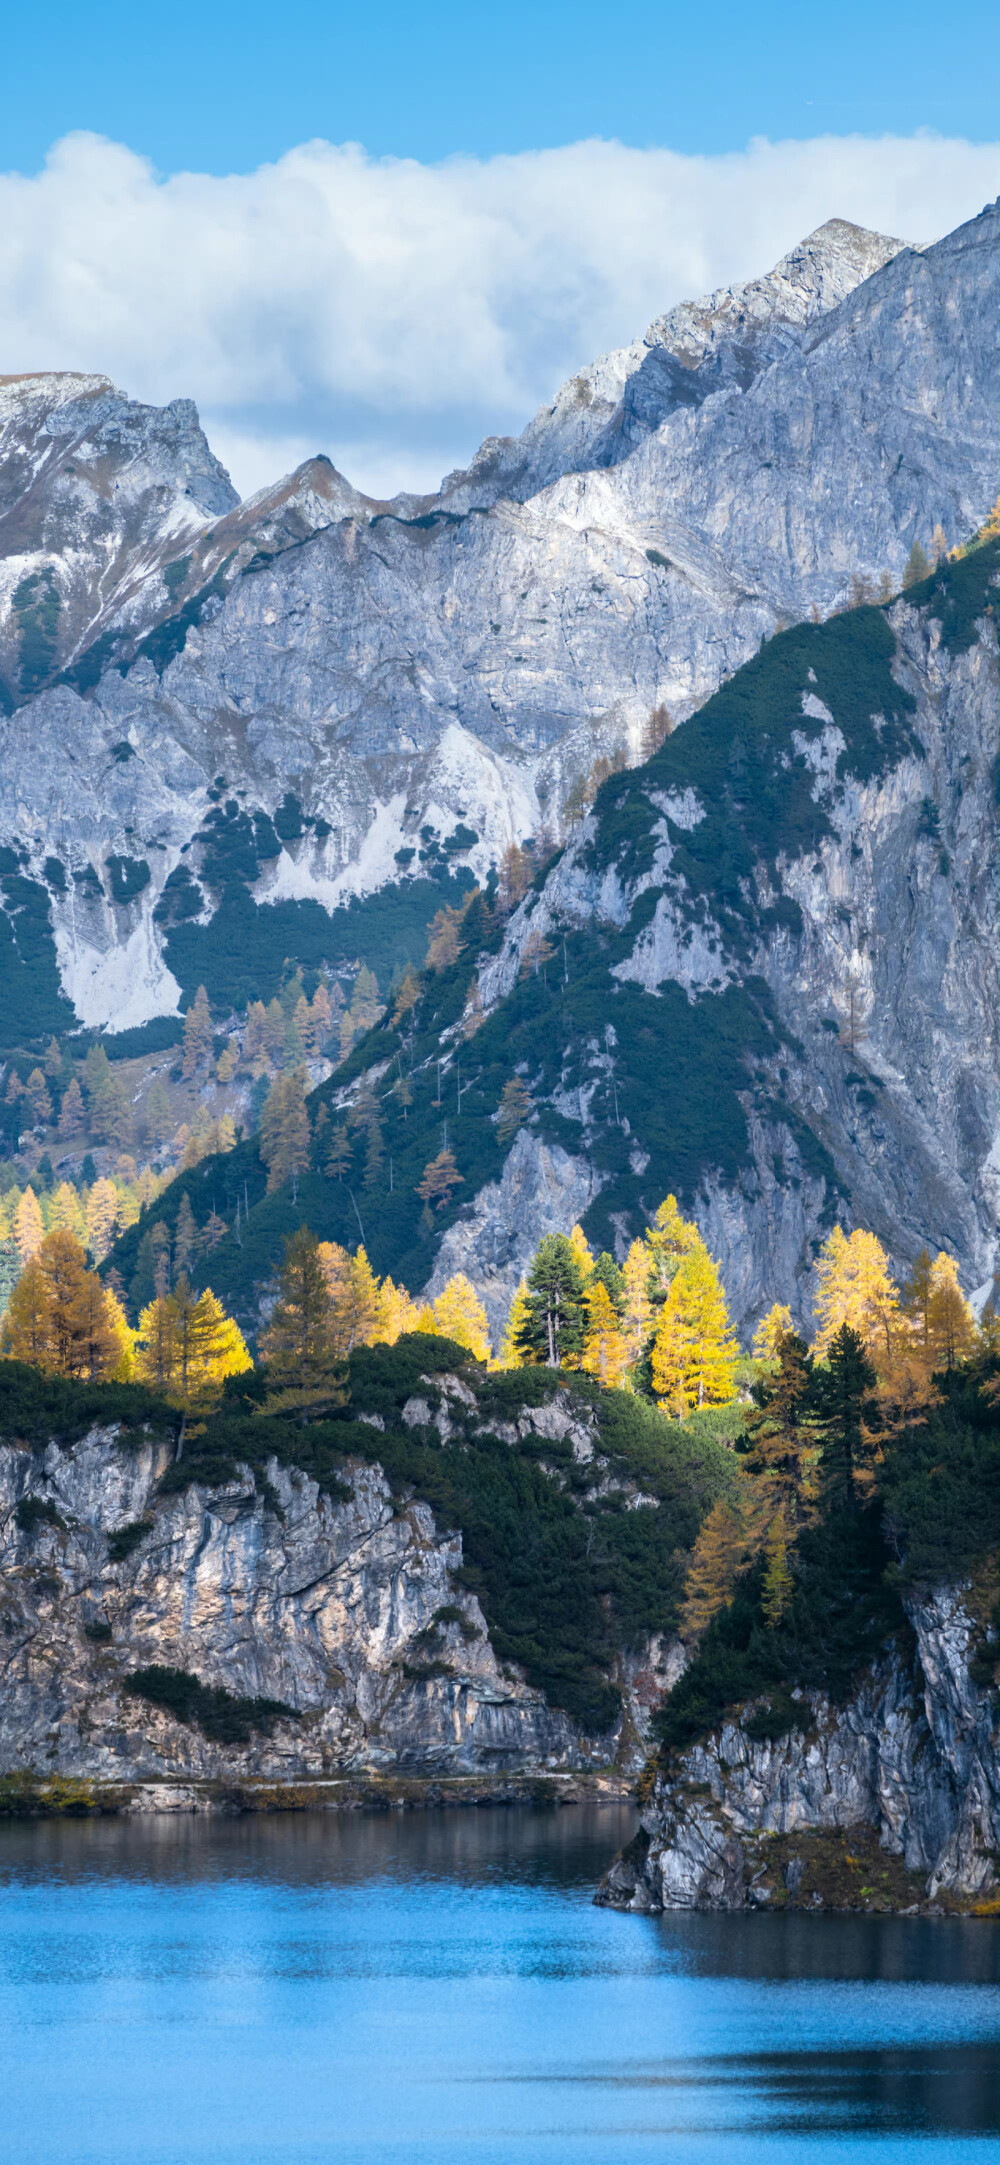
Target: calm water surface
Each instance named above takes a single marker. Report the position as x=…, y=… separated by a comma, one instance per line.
x=439, y=1988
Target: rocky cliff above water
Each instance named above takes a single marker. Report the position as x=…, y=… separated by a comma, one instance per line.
x=891, y=1800
x=335, y=1609
x=375, y=679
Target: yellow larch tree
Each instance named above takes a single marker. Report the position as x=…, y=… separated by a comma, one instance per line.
x=855, y=1287
x=509, y=1356
x=638, y=1307
x=581, y=1248
x=25, y=1334
x=777, y=1324
x=28, y=1228
x=951, y=1325
x=605, y=1348
x=459, y=1314
x=396, y=1313
x=695, y=1350
x=66, y=1212
x=102, y=1217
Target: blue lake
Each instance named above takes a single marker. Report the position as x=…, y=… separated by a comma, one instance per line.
x=436, y=1988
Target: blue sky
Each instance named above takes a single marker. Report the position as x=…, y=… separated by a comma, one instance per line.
x=181, y=207
x=222, y=87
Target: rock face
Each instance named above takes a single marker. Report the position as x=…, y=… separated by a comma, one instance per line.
x=878, y=942
x=449, y=667
x=351, y=1614
x=913, y=1757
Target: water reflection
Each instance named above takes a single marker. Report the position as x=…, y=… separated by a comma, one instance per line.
x=434, y=1988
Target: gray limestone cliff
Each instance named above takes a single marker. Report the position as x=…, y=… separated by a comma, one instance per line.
x=912, y=1762
x=451, y=667
x=350, y=1614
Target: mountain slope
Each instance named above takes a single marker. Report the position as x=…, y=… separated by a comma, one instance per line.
x=412, y=676
x=769, y=982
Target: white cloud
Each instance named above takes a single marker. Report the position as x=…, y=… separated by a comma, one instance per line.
x=390, y=313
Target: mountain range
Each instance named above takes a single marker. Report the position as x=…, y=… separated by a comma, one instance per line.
x=388, y=694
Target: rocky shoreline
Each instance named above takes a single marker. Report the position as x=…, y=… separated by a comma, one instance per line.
x=26, y=1795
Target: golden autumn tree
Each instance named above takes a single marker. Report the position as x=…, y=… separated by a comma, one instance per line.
x=637, y=1306
x=581, y=1249
x=716, y=1561
x=778, y=1582
x=299, y=1341
x=855, y=1288
x=605, y=1347
x=459, y=1314
x=777, y=1324
x=510, y=1356
x=25, y=1330
x=187, y=1346
x=62, y=1318
x=28, y=1228
x=396, y=1313
x=695, y=1350
x=951, y=1325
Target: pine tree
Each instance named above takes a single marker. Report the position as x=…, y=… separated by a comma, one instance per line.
x=459, y=1314
x=780, y=1441
x=605, y=1351
x=196, y=1048
x=516, y=1108
x=552, y=1326
x=284, y=1139
x=28, y=1228
x=71, y=1111
x=694, y=1352
x=438, y=1180
x=845, y=1408
x=10, y=1271
x=298, y=1343
x=612, y=1279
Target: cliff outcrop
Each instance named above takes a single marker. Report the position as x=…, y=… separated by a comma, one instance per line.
x=889, y=1800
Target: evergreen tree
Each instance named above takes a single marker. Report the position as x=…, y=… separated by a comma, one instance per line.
x=845, y=1409
x=607, y=1272
x=10, y=1271
x=780, y=1442
x=298, y=1343
x=196, y=1049
x=552, y=1327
